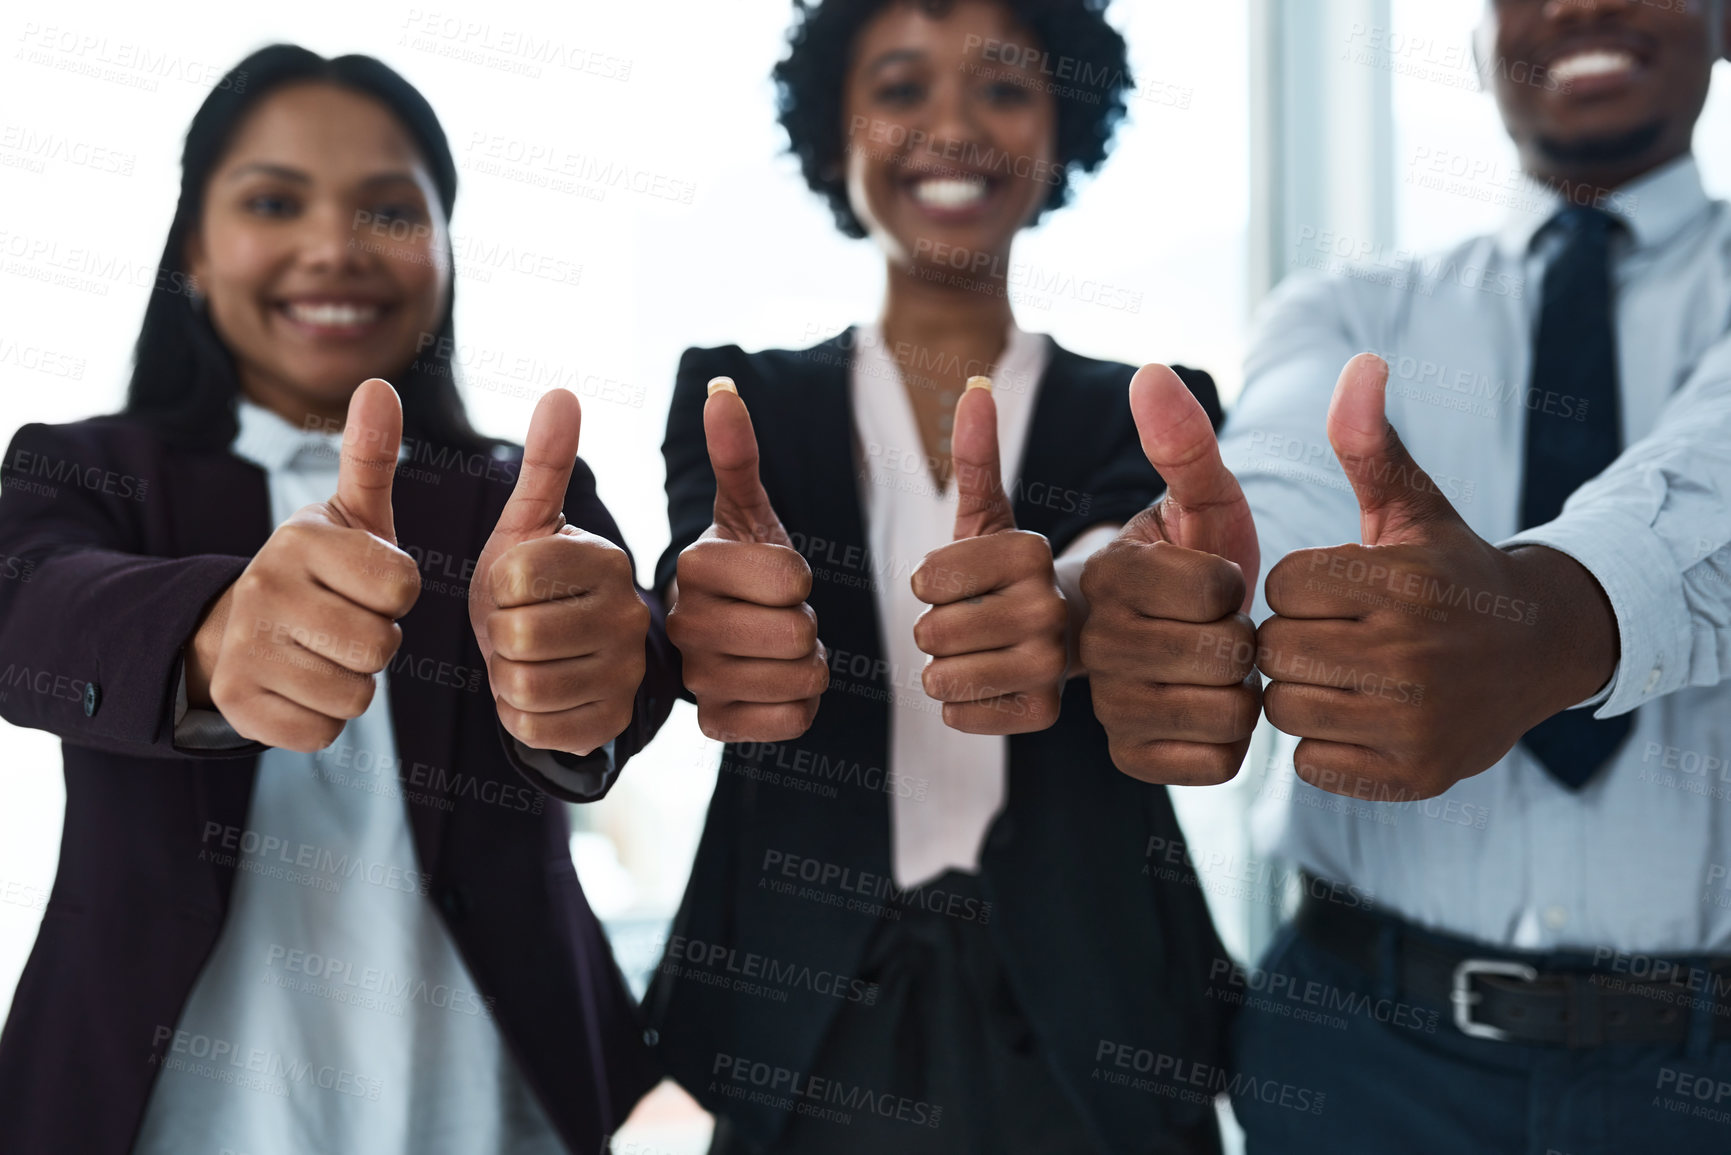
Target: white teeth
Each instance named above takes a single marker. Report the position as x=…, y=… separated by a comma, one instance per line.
x=1593, y=62
x=949, y=193
x=331, y=313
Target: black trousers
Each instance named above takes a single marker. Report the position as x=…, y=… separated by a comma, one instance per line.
x=942, y=1063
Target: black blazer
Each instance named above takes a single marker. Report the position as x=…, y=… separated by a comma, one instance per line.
x=1104, y=946
x=122, y=541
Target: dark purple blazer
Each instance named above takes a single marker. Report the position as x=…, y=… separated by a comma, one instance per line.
x=111, y=545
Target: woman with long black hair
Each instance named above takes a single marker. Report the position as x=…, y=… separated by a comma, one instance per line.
x=928, y=914
x=312, y=894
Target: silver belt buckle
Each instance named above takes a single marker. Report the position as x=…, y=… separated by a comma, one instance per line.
x=1465, y=998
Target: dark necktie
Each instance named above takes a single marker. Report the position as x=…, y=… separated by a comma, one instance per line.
x=1574, y=430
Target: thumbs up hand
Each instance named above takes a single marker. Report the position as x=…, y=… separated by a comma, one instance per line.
x=1168, y=643
x=287, y=654
x=997, y=624
x=1419, y=657
x=749, y=641
x=554, y=608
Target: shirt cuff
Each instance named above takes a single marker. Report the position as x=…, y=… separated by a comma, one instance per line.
x=587, y=776
x=201, y=729
x=1068, y=565
x=1639, y=576
x=1067, y=569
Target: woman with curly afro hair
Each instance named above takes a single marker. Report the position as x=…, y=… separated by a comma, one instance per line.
x=927, y=914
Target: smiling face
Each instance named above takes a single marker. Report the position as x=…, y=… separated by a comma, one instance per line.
x=321, y=250
x=949, y=130
x=1600, y=90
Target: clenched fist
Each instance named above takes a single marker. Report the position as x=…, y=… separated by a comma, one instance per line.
x=287, y=654
x=739, y=616
x=1168, y=645
x=997, y=627
x=1422, y=655
x=554, y=608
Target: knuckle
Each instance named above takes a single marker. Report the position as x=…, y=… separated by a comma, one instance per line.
x=1123, y=715
x=514, y=682
x=1276, y=708
x=969, y=718
x=533, y=730
x=615, y=718
x=631, y=668
x=1134, y=760
x=711, y=723
x=702, y=679
x=1216, y=591
x=636, y=619
x=1245, y=709
x=682, y=626
x=688, y=566
x=293, y=536
x=1042, y=709
x=501, y=634
x=1216, y=765
x=816, y=683
x=1050, y=663
x=1031, y=549
x=1054, y=614
x=358, y=697
x=321, y=734
x=778, y=634
x=409, y=592
x=254, y=583
x=921, y=582
x=227, y=692
x=510, y=634
x=386, y=639
x=1096, y=651
x=805, y=634
x=512, y=575
x=1094, y=583
x=613, y=562
x=929, y=632
x=795, y=573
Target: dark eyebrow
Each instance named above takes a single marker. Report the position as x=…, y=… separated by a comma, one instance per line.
x=297, y=176
x=894, y=56
x=276, y=170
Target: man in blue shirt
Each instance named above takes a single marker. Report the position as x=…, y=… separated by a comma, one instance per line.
x=1510, y=798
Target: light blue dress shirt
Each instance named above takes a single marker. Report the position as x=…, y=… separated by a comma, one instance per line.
x=1640, y=860
x=335, y=1015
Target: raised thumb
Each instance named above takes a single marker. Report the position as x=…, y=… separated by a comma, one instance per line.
x=1178, y=440
x=1395, y=496
x=742, y=508
x=372, y=433
x=537, y=501
x=981, y=505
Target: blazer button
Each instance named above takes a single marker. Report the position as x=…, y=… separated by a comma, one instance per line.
x=92, y=698
x=454, y=901
x=651, y=1037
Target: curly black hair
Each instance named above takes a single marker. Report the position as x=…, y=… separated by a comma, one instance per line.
x=1090, y=83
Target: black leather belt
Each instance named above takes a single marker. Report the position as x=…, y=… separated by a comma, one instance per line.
x=1563, y=999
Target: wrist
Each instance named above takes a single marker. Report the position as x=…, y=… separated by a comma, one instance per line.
x=1067, y=572
x=202, y=648
x=1576, y=648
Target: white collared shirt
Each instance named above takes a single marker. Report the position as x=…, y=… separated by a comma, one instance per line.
x=1638, y=860
x=335, y=1013
x=906, y=516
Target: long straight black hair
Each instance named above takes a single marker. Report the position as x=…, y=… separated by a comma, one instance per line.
x=184, y=382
